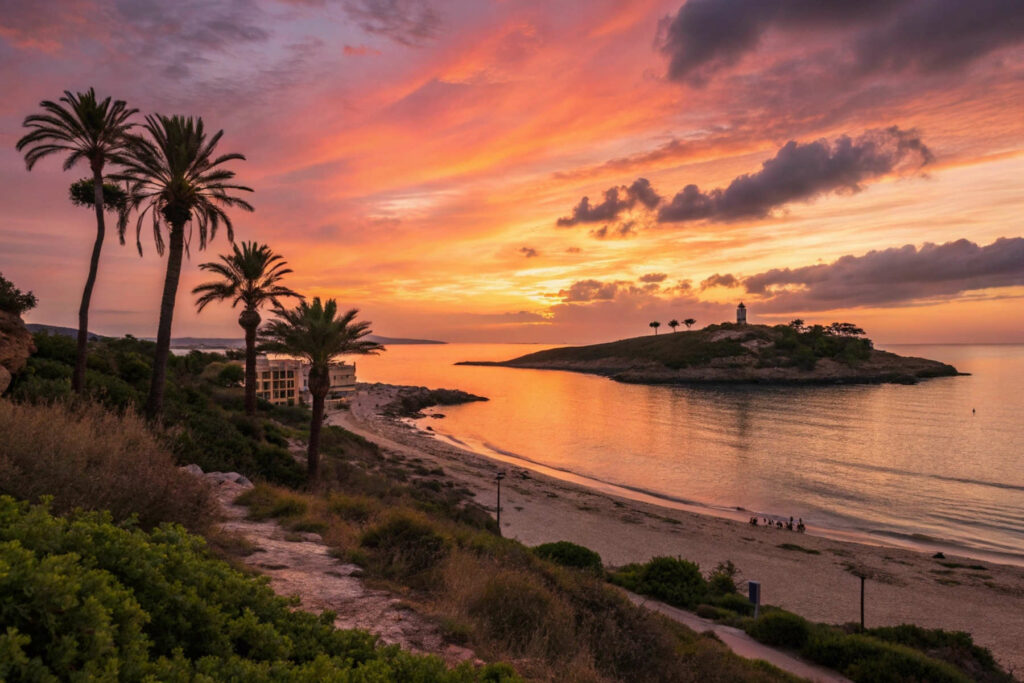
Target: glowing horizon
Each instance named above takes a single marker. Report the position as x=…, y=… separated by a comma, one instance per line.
x=413, y=159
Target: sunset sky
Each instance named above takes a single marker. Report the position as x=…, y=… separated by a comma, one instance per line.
x=563, y=171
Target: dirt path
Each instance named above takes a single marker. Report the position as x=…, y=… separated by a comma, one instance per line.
x=742, y=644
x=300, y=565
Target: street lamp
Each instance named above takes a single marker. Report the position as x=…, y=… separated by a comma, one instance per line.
x=498, y=477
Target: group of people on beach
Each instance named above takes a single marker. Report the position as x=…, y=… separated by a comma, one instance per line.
x=779, y=524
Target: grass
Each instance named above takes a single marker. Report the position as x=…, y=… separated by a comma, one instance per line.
x=500, y=598
x=88, y=457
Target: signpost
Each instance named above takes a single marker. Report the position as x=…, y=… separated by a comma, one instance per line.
x=754, y=587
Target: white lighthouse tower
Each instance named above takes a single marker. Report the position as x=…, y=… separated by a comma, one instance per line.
x=741, y=314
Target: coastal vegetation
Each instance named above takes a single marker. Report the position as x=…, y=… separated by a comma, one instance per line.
x=729, y=352
x=83, y=598
x=899, y=653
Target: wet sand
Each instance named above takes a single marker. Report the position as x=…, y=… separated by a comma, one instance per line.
x=816, y=577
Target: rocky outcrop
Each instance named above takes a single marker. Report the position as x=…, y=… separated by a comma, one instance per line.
x=16, y=346
x=410, y=401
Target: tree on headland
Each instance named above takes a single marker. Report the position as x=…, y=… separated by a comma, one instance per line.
x=83, y=128
x=317, y=334
x=250, y=276
x=13, y=300
x=655, y=325
x=797, y=324
x=689, y=322
x=177, y=180
x=673, y=324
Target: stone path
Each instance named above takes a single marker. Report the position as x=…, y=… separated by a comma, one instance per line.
x=299, y=564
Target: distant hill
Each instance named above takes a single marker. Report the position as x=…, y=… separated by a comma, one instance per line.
x=210, y=342
x=57, y=329
x=750, y=354
x=237, y=343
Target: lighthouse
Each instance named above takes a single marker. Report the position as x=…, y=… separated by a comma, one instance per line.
x=741, y=314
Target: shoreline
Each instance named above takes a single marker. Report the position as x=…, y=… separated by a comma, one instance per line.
x=733, y=513
x=810, y=574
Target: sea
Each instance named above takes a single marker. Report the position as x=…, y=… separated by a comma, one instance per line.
x=937, y=466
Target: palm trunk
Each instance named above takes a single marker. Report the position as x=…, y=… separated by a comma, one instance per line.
x=318, y=387
x=82, y=351
x=250, y=320
x=155, y=403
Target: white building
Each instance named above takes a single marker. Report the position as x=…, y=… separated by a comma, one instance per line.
x=741, y=314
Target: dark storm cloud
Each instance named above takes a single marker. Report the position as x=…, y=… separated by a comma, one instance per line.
x=408, y=22
x=616, y=200
x=800, y=172
x=706, y=36
x=716, y=280
x=893, y=276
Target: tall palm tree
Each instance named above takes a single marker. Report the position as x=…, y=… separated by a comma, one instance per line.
x=673, y=324
x=689, y=322
x=83, y=128
x=317, y=334
x=250, y=276
x=655, y=325
x=177, y=180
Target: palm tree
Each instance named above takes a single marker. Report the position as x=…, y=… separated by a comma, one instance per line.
x=655, y=325
x=689, y=322
x=176, y=180
x=673, y=324
x=81, y=127
x=315, y=333
x=251, y=276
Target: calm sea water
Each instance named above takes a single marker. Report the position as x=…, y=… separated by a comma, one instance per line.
x=935, y=465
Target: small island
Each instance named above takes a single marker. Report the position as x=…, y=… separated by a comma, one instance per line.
x=739, y=353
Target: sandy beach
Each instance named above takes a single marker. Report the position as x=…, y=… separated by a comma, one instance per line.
x=815, y=576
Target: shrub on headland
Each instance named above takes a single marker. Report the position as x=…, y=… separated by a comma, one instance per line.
x=88, y=457
x=83, y=599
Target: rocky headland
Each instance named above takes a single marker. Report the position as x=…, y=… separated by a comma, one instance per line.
x=740, y=354
x=411, y=401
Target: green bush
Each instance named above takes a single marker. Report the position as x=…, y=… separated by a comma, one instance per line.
x=404, y=546
x=570, y=555
x=673, y=580
x=13, y=300
x=864, y=659
x=83, y=599
x=231, y=375
x=734, y=602
x=784, y=629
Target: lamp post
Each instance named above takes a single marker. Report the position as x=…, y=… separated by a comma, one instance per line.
x=498, y=477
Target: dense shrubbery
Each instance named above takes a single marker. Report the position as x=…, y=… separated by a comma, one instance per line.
x=13, y=300
x=498, y=597
x=571, y=555
x=82, y=598
x=202, y=413
x=404, y=546
x=670, y=579
x=88, y=457
x=892, y=654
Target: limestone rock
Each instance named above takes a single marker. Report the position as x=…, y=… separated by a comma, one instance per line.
x=16, y=346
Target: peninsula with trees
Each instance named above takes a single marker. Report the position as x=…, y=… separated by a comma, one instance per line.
x=795, y=353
